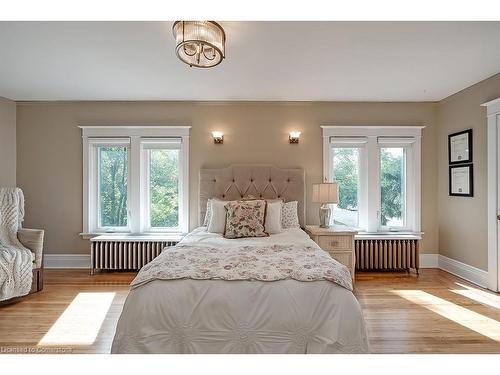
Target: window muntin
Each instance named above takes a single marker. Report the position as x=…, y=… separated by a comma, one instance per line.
x=393, y=187
x=112, y=189
x=345, y=172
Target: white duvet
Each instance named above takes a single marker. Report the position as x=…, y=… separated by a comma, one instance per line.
x=219, y=316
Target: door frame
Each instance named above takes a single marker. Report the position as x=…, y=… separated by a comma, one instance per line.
x=493, y=143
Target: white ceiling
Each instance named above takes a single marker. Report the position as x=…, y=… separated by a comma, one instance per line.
x=337, y=61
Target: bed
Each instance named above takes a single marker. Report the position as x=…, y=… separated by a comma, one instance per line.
x=183, y=312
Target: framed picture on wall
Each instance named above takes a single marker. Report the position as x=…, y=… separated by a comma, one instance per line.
x=461, y=180
x=460, y=147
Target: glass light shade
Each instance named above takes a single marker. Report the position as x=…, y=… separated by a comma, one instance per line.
x=218, y=137
x=217, y=134
x=199, y=43
x=294, y=136
x=326, y=192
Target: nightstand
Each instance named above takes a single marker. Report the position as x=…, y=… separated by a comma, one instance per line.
x=338, y=241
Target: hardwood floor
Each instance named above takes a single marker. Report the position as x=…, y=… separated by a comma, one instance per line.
x=433, y=313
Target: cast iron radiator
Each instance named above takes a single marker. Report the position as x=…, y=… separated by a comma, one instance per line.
x=108, y=253
x=387, y=254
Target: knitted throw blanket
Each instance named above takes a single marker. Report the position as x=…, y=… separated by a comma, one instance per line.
x=15, y=260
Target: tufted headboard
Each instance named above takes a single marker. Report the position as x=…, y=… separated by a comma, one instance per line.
x=262, y=181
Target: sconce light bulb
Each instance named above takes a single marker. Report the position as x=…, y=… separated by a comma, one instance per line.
x=294, y=137
x=218, y=137
x=217, y=134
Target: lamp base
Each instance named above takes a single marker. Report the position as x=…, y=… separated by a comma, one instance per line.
x=324, y=216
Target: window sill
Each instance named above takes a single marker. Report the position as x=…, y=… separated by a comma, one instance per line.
x=389, y=236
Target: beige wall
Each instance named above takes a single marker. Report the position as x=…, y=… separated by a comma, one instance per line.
x=50, y=149
x=7, y=143
x=462, y=221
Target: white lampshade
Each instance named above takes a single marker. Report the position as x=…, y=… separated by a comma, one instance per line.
x=326, y=192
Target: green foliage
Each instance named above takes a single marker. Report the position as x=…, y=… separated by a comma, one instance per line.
x=113, y=174
x=164, y=188
x=345, y=172
x=391, y=180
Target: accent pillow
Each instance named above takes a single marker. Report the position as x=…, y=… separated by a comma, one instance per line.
x=289, y=215
x=273, y=216
x=273, y=213
x=245, y=219
x=217, y=220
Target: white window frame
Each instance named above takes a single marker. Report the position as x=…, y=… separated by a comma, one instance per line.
x=94, y=178
x=136, y=136
x=158, y=144
x=407, y=144
x=360, y=144
x=369, y=199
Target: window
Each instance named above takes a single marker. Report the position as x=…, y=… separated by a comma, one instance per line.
x=164, y=188
x=162, y=184
x=112, y=190
x=392, y=187
x=346, y=172
x=378, y=173
x=135, y=179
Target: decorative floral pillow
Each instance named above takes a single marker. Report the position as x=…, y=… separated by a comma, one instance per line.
x=245, y=219
x=289, y=215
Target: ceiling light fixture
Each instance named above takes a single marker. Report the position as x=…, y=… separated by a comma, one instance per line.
x=199, y=43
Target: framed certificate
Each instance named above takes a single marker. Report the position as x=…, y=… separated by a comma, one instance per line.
x=461, y=180
x=460, y=147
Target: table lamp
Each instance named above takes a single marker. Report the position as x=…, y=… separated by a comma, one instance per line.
x=325, y=193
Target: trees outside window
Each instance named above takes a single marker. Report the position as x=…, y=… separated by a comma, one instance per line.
x=378, y=171
x=136, y=179
x=113, y=176
x=164, y=188
x=392, y=187
x=346, y=174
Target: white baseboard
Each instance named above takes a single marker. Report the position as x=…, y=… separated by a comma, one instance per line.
x=466, y=272
x=66, y=261
x=469, y=273
x=429, y=261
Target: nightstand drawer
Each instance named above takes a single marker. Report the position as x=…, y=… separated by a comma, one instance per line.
x=343, y=257
x=335, y=243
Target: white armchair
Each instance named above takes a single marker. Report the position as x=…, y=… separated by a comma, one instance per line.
x=32, y=239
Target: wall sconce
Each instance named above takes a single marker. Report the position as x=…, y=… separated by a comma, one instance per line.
x=293, y=137
x=218, y=137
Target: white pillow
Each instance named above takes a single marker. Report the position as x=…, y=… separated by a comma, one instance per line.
x=289, y=215
x=273, y=217
x=208, y=213
x=217, y=221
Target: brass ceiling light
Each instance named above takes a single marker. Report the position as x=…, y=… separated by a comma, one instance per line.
x=199, y=43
